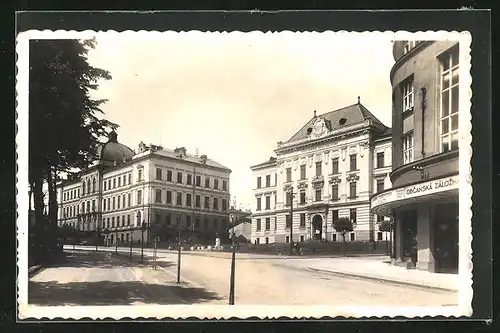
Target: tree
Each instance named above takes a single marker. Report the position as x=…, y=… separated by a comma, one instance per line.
x=65, y=130
x=387, y=226
x=343, y=225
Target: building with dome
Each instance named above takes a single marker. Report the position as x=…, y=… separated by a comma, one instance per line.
x=127, y=195
x=332, y=165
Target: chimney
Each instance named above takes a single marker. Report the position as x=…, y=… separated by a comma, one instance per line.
x=359, y=100
x=203, y=158
x=314, y=113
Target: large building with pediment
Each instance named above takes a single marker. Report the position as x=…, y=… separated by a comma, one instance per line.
x=152, y=186
x=332, y=165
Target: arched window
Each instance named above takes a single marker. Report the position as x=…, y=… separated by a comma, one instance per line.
x=93, y=185
x=83, y=187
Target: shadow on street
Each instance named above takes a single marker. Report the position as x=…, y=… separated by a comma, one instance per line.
x=114, y=293
x=87, y=259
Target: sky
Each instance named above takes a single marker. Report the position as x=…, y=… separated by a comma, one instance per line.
x=233, y=96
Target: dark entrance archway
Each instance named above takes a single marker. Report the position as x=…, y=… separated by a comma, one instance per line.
x=317, y=227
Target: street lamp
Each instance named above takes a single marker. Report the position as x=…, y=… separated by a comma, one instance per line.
x=143, y=228
x=291, y=195
x=178, y=218
x=232, y=220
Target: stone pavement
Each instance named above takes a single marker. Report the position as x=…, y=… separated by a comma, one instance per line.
x=379, y=268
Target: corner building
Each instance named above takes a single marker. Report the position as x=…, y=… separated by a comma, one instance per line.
x=152, y=186
x=333, y=164
x=424, y=199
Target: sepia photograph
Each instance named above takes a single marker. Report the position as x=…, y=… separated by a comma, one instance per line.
x=219, y=174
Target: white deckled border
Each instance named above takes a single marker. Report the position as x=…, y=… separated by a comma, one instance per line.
x=26, y=311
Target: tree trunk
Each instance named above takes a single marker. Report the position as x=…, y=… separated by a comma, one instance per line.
x=51, y=181
x=345, y=250
x=38, y=241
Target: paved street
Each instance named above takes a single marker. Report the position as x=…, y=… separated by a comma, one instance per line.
x=105, y=278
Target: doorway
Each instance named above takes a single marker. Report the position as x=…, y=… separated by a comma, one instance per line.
x=409, y=231
x=317, y=226
x=445, y=225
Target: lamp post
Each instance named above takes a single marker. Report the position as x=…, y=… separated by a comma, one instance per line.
x=232, y=220
x=178, y=218
x=291, y=195
x=143, y=228
x=94, y=215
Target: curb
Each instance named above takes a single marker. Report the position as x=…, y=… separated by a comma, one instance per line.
x=378, y=279
x=33, y=270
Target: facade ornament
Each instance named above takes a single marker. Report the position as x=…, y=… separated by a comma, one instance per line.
x=318, y=181
x=362, y=148
x=302, y=185
x=310, y=157
x=352, y=177
x=334, y=180
x=326, y=156
x=319, y=128
x=288, y=188
x=343, y=153
x=295, y=163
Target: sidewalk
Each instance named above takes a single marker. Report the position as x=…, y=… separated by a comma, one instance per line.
x=381, y=270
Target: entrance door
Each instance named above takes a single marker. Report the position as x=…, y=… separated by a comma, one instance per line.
x=409, y=231
x=317, y=224
x=445, y=223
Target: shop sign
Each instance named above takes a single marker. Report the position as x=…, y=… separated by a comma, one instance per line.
x=417, y=190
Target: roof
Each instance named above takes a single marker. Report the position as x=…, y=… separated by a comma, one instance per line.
x=190, y=158
x=270, y=162
x=113, y=151
x=353, y=114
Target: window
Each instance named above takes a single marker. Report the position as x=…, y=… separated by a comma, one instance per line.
x=288, y=197
x=380, y=160
x=268, y=223
x=119, y=181
x=113, y=222
x=179, y=199
x=169, y=175
x=352, y=215
x=118, y=204
x=258, y=225
x=334, y=237
x=288, y=221
x=129, y=199
x=188, y=221
x=197, y=223
x=275, y=223
x=449, y=100
x=335, y=215
x=268, y=180
x=105, y=183
x=188, y=200
x=189, y=180
x=302, y=197
x=158, y=196
x=335, y=166
x=139, y=197
x=259, y=182
x=335, y=192
x=139, y=177
x=224, y=185
x=408, y=148
x=207, y=202
x=114, y=202
x=128, y=220
x=224, y=204
x=287, y=239
x=129, y=178
x=198, y=201
x=179, y=177
x=288, y=174
x=83, y=187
x=352, y=236
x=352, y=162
x=275, y=179
x=259, y=203
x=123, y=220
x=124, y=180
x=93, y=185
x=216, y=184
x=301, y=238
x=408, y=45
x=352, y=190
x=380, y=218
x=267, y=240
x=268, y=202
x=198, y=180
x=302, y=172
x=318, y=169
x=114, y=182
x=302, y=220
x=379, y=236
x=168, y=219
x=317, y=196
x=104, y=204
x=408, y=94
x=216, y=203
x=380, y=185
x=109, y=204
x=207, y=182
x=158, y=174
x=169, y=197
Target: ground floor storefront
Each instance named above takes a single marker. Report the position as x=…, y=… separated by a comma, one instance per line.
x=426, y=224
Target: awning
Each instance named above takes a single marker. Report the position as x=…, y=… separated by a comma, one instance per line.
x=384, y=202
